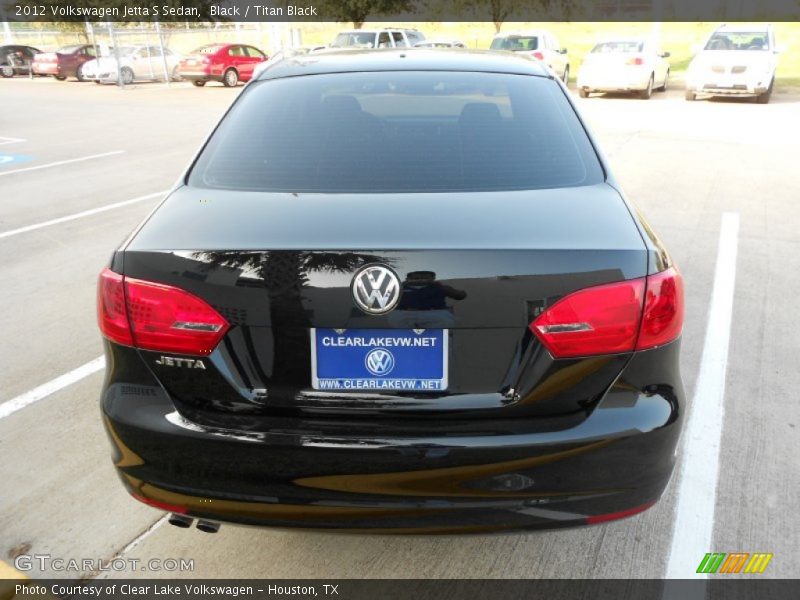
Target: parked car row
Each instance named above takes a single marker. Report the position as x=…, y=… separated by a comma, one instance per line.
x=736, y=60
x=228, y=64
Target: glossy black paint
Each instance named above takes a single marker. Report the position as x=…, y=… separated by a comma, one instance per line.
x=518, y=440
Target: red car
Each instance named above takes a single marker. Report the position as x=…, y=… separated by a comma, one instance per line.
x=227, y=63
x=66, y=62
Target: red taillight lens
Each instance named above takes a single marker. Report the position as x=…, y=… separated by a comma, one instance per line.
x=154, y=316
x=112, y=314
x=610, y=319
x=663, y=310
x=599, y=320
x=538, y=55
x=636, y=60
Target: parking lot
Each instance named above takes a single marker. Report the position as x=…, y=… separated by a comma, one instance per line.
x=89, y=162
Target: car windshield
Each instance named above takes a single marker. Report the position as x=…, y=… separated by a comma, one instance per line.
x=738, y=40
x=399, y=131
x=354, y=40
x=515, y=43
x=213, y=49
x=619, y=46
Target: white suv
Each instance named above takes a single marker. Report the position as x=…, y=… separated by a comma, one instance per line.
x=542, y=45
x=377, y=38
x=737, y=60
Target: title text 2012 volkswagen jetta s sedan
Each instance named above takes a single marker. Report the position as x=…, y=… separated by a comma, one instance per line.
x=395, y=291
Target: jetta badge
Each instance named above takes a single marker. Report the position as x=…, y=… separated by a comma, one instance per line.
x=376, y=289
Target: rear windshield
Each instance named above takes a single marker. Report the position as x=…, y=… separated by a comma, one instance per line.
x=213, y=49
x=354, y=40
x=613, y=47
x=515, y=43
x=738, y=40
x=400, y=131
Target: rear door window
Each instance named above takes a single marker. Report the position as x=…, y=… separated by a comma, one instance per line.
x=400, y=131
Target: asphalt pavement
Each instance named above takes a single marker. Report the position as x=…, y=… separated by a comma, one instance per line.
x=93, y=158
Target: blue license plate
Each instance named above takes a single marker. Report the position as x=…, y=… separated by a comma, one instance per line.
x=413, y=360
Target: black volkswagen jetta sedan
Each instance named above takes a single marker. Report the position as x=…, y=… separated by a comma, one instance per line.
x=395, y=291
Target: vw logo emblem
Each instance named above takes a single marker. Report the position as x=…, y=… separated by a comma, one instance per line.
x=379, y=362
x=376, y=289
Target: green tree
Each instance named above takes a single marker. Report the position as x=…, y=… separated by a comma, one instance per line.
x=357, y=11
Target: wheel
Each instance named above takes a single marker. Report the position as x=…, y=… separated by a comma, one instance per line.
x=126, y=74
x=663, y=88
x=7, y=71
x=175, y=75
x=79, y=74
x=565, y=78
x=583, y=93
x=690, y=95
x=648, y=91
x=197, y=83
x=231, y=78
x=60, y=77
x=764, y=98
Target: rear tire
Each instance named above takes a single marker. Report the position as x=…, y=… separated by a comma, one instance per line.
x=176, y=76
x=79, y=74
x=583, y=93
x=764, y=98
x=127, y=76
x=7, y=71
x=231, y=78
x=196, y=83
x=663, y=87
x=690, y=96
x=648, y=91
x=60, y=77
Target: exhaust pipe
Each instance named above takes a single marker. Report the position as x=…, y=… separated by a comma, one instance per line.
x=207, y=526
x=181, y=521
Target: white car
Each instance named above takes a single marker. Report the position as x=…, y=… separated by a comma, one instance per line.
x=136, y=63
x=737, y=60
x=377, y=38
x=541, y=45
x=440, y=43
x=624, y=65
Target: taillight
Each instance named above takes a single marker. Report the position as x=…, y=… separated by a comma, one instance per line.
x=636, y=60
x=154, y=316
x=663, y=310
x=112, y=314
x=614, y=318
x=538, y=55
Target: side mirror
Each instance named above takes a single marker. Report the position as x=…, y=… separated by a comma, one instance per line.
x=665, y=55
x=562, y=51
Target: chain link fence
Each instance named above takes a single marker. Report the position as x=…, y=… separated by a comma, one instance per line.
x=130, y=54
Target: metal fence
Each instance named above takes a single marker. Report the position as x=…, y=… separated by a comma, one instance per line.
x=160, y=44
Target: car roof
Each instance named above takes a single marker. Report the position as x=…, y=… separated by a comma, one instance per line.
x=405, y=59
x=529, y=32
x=744, y=27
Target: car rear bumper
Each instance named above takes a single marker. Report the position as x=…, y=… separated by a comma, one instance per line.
x=616, y=462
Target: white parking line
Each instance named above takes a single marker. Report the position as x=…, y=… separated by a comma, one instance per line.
x=697, y=479
x=51, y=387
x=61, y=162
x=79, y=215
